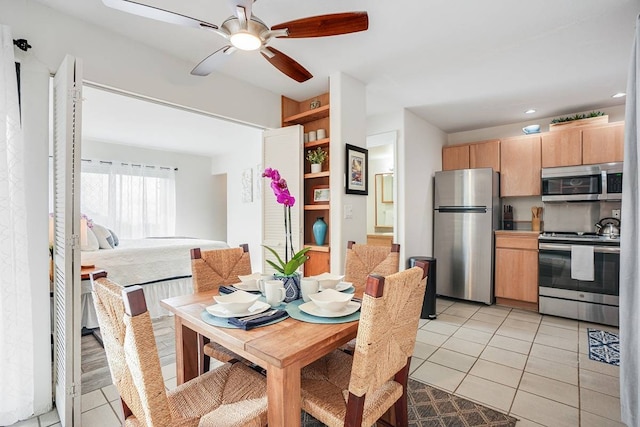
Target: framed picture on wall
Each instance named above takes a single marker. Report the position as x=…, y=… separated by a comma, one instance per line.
x=357, y=169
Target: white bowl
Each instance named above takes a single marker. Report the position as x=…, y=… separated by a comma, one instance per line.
x=327, y=280
x=331, y=300
x=236, y=302
x=531, y=129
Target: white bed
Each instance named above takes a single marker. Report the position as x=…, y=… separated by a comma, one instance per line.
x=162, y=266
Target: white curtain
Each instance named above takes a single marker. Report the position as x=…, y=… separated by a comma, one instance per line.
x=629, y=250
x=135, y=201
x=16, y=343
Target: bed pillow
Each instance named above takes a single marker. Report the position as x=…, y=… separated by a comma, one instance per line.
x=114, y=236
x=92, y=242
x=102, y=234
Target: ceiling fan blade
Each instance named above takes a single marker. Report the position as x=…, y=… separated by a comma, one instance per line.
x=326, y=25
x=286, y=64
x=246, y=4
x=157, y=14
x=213, y=61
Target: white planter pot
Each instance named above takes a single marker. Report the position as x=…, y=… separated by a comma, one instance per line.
x=316, y=167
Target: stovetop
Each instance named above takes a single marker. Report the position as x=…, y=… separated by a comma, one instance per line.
x=577, y=237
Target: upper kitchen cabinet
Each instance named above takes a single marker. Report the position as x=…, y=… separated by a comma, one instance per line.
x=520, y=163
x=562, y=148
x=485, y=154
x=603, y=144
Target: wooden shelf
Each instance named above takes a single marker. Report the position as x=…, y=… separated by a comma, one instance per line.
x=318, y=207
x=317, y=175
x=307, y=116
x=316, y=143
x=323, y=248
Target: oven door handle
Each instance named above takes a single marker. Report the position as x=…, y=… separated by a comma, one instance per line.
x=567, y=248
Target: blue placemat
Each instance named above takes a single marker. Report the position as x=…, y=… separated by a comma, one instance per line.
x=223, y=322
x=293, y=308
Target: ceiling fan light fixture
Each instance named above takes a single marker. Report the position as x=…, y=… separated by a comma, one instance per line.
x=245, y=41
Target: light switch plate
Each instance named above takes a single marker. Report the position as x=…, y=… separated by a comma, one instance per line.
x=615, y=213
x=348, y=212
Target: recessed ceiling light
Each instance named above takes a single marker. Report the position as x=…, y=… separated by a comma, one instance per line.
x=618, y=95
x=530, y=111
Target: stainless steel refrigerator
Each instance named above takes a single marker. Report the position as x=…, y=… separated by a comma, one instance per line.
x=466, y=213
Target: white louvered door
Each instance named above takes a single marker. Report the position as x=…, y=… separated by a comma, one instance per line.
x=282, y=150
x=67, y=95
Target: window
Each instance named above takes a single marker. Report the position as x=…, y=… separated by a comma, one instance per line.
x=135, y=201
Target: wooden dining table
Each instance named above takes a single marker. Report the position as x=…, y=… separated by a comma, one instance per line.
x=282, y=348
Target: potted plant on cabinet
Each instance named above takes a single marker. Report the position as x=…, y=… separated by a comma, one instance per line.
x=316, y=157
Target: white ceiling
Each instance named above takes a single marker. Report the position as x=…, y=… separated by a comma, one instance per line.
x=460, y=65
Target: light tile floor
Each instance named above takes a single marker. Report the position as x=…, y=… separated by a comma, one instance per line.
x=533, y=367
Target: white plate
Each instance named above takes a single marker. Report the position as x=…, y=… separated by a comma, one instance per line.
x=312, y=309
x=342, y=286
x=244, y=287
x=257, y=307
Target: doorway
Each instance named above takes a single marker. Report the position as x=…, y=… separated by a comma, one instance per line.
x=381, y=201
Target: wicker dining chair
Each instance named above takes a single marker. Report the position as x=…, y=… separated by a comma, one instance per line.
x=231, y=395
x=340, y=389
x=210, y=270
x=363, y=260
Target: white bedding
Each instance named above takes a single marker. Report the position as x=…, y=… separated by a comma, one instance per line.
x=140, y=261
x=162, y=266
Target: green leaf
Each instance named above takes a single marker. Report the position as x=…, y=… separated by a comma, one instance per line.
x=275, y=266
x=277, y=257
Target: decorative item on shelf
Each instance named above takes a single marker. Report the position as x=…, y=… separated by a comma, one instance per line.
x=528, y=130
x=577, y=120
x=319, y=231
x=314, y=104
x=312, y=136
x=305, y=137
x=356, y=169
x=316, y=157
x=320, y=194
x=286, y=270
x=321, y=133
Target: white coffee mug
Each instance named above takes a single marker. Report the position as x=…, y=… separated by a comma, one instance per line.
x=312, y=136
x=274, y=292
x=308, y=286
x=261, y=281
x=321, y=134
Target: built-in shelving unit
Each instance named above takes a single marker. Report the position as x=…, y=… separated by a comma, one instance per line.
x=300, y=113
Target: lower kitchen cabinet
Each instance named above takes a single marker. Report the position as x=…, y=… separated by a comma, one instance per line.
x=516, y=269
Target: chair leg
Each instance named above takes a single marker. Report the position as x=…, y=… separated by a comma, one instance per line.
x=204, y=360
x=126, y=412
x=402, y=377
x=355, y=409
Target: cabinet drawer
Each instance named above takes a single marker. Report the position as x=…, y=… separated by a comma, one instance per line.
x=517, y=242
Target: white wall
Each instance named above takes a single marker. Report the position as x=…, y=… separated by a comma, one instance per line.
x=244, y=221
x=195, y=201
x=348, y=126
x=420, y=157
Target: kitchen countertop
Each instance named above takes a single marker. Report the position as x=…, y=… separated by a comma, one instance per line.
x=517, y=233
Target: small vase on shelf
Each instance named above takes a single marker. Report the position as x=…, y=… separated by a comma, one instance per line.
x=316, y=167
x=319, y=231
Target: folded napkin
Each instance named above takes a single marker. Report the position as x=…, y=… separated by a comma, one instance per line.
x=582, y=263
x=254, y=323
x=226, y=289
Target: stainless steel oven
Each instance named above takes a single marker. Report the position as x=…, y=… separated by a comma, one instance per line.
x=561, y=295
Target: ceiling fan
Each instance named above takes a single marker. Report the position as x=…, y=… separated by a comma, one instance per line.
x=245, y=31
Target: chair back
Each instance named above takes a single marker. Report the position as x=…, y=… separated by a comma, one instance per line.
x=364, y=260
x=388, y=326
x=214, y=268
x=131, y=350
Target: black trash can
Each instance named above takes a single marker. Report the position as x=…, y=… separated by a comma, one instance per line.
x=429, y=302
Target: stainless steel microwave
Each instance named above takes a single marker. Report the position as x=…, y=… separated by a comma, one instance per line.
x=581, y=183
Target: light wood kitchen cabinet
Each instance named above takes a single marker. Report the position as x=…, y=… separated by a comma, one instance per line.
x=603, y=144
x=455, y=157
x=520, y=163
x=561, y=148
x=485, y=154
x=516, y=269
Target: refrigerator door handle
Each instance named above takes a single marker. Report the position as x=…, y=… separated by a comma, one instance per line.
x=458, y=209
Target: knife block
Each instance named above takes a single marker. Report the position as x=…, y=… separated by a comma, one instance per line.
x=507, y=221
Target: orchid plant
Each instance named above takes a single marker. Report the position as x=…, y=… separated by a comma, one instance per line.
x=283, y=197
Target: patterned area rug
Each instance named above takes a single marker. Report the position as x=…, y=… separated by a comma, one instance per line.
x=604, y=346
x=429, y=406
